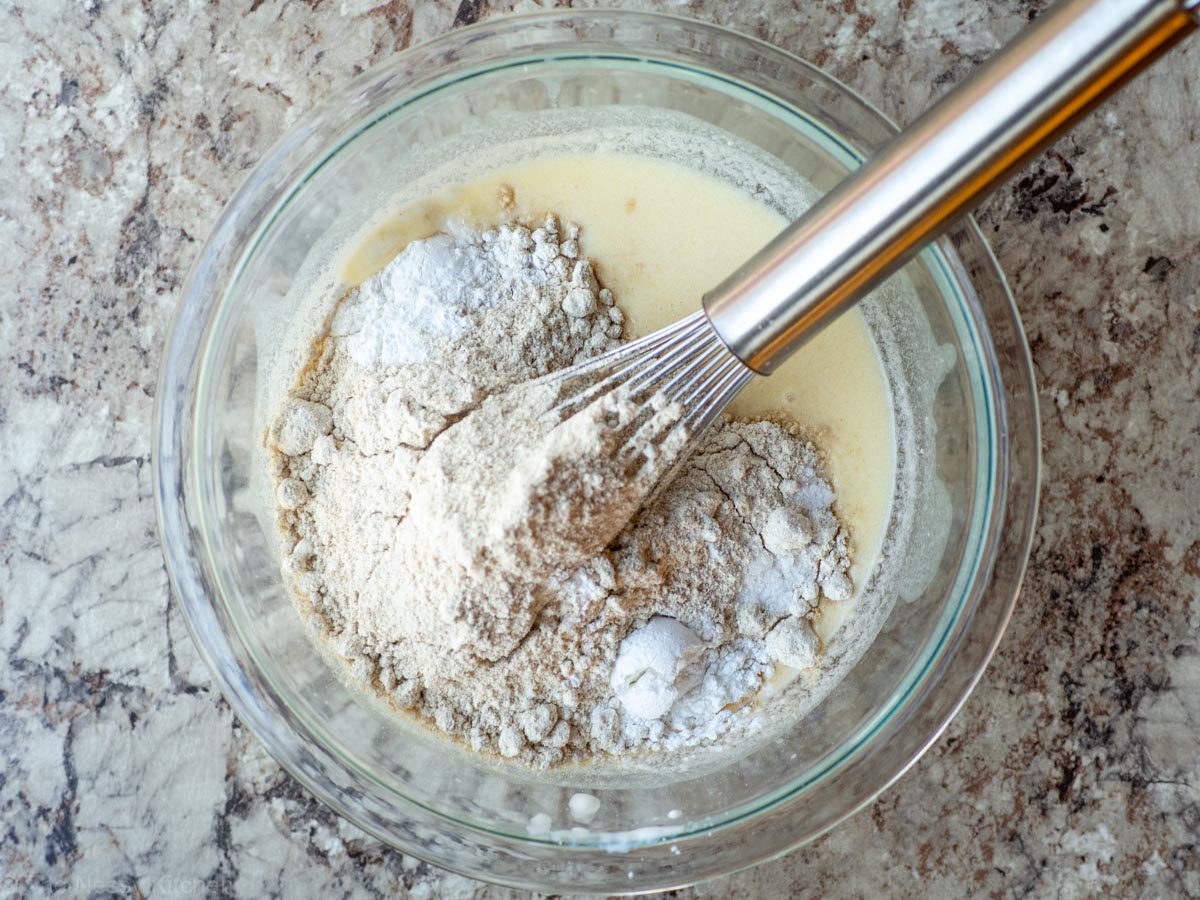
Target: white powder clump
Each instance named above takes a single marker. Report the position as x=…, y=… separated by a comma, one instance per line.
x=432, y=292
x=492, y=570
x=655, y=664
x=583, y=807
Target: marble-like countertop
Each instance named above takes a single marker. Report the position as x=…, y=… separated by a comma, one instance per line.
x=1074, y=769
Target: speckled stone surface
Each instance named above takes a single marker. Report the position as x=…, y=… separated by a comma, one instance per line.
x=1074, y=769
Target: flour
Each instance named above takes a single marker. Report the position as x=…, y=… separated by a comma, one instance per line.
x=437, y=289
x=491, y=570
x=507, y=505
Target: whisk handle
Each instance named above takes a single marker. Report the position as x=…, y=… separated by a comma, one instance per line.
x=1037, y=87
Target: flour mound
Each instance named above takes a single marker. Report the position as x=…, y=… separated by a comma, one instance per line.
x=491, y=569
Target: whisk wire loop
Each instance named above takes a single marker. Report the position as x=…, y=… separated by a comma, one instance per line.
x=685, y=365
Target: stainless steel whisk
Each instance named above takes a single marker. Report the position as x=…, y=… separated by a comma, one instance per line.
x=684, y=363
x=1061, y=67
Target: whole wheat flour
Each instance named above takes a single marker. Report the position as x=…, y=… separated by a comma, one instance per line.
x=491, y=572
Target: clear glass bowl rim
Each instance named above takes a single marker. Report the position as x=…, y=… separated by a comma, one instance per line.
x=246, y=213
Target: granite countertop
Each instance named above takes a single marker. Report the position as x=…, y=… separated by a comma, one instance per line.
x=1073, y=770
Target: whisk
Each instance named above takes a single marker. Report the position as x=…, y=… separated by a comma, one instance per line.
x=1061, y=67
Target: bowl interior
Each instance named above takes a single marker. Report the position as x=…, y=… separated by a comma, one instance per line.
x=450, y=116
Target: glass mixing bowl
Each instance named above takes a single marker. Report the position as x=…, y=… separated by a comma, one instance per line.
x=972, y=517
